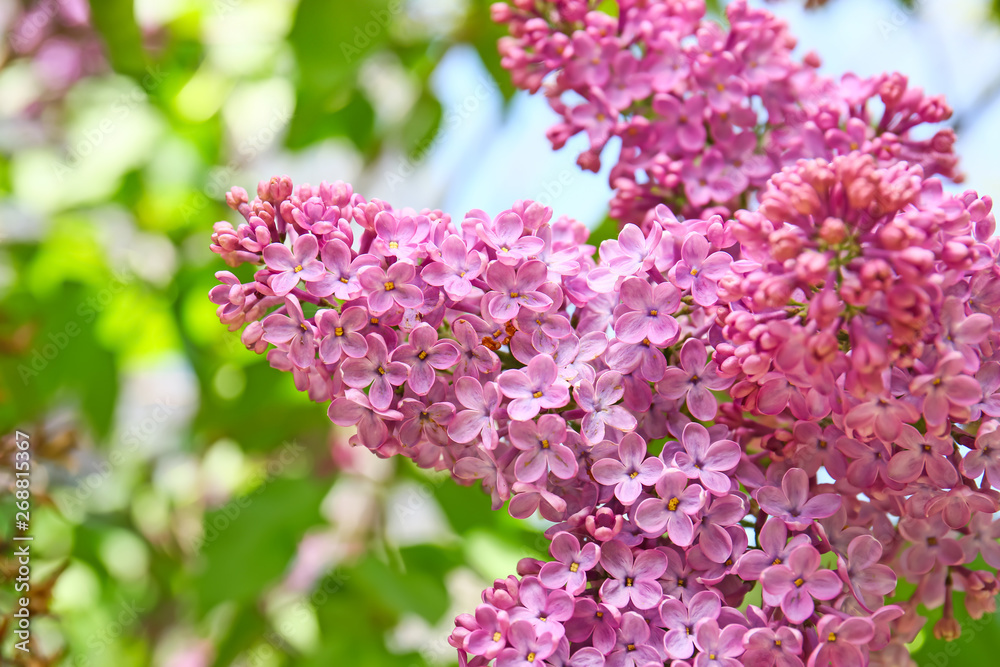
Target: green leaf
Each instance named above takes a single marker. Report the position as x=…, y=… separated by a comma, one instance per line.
x=330, y=41
x=115, y=19
x=608, y=229
x=320, y=115
x=353, y=626
x=250, y=542
x=247, y=626
x=410, y=591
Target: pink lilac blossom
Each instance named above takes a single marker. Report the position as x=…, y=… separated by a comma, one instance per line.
x=705, y=114
x=795, y=400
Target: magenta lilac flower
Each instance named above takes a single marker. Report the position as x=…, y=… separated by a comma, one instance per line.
x=782, y=381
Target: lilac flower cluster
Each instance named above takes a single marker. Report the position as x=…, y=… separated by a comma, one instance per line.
x=673, y=408
x=705, y=114
x=742, y=427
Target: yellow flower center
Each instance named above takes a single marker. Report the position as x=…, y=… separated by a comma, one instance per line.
x=514, y=295
x=393, y=245
x=389, y=286
x=633, y=474
x=673, y=503
x=422, y=355
x=497, y=636
x=694, y=272
x=381, y=371
x=799, y=582
x=545, y=444
x=628, y=581
x=339, y=331
x=653, y=312
x=574, y=567
x=537, y=394
x=344, y=280
x=832, y=637
x=297, y=268
x=530, y=657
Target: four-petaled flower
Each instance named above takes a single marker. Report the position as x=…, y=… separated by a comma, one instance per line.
x=536, y=388
x=631, y=579
x=673, y=510
x=792, y=504
x=354, y=409
x=376, y=370
x=516, y=290
x=699, y=270
x=694, y=381
x=571, y=564
x=630, y=471
x=705, y=460
x=479, y=418
x=718, y=648
x=385, y=288
x=541, y=448
x=843, y=641
x=456, y=270
x=600, y=407
x=680, y=620
x=291, y=266
x=526, y=647
x=798, y=582
x=340, y=335
x=632, y=648
x=293, y=333
x=647, y=312
x=947, y=390
x=504, y=236
x=424, y=354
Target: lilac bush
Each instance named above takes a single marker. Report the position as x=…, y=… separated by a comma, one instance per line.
x=743, y=419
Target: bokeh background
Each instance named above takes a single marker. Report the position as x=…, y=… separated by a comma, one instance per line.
x=190, y=507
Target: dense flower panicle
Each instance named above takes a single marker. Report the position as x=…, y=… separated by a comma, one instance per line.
x=799, y=401
x=705, y=114
x=790, y=373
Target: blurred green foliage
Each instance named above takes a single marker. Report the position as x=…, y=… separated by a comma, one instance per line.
x=170, y=539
